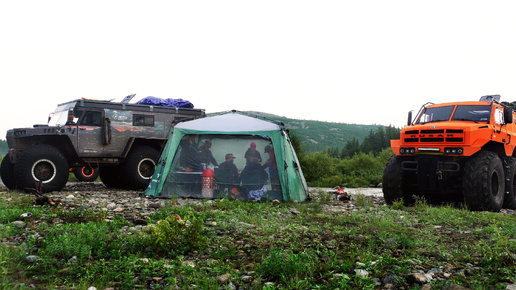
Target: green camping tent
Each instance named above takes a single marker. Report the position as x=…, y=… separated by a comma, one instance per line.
x=198, y=161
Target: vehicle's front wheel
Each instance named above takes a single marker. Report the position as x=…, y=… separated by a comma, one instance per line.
x=139, y=166
x=7, y=173
x=509, y=200
x=86, y=173
x=41, y=163
x=483, y=182
x=393, y=186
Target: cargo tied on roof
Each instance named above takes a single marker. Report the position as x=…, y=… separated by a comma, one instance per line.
x=177, y=103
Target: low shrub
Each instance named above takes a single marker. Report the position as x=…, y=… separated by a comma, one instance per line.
x=175, y=235
x=361, y=170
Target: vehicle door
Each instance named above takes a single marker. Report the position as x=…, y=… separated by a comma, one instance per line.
x=89, y=137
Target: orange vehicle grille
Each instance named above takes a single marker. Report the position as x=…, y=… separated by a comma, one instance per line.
x=434, y=136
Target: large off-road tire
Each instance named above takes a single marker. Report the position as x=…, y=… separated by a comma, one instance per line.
x=7, y=173
x=41, y=163
x=393, y=186
x=484, y=182
x=110, y=176
x=86, y=173
x=509, y=200
x=139, y=166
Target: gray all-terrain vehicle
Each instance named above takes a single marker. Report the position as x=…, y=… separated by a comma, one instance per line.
x=120, y=140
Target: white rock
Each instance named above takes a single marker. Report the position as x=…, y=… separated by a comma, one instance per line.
x=26, y=215
x=223, y=278
x=361, y=273
x=189, y=263
x=32, y=258
x=73, y=260
x=119, y=209
x=18, y=224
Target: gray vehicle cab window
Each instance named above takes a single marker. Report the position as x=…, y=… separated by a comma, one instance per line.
x=92, y=119
x=143, y=120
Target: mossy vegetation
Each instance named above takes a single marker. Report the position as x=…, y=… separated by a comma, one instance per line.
x=254, y=245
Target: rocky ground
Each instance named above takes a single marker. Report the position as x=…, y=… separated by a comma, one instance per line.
x=135, y=207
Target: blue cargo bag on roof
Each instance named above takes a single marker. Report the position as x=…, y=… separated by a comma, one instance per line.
x=178, y=103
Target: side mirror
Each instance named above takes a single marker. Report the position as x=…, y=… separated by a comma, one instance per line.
x=507, y=115
x=409, y=121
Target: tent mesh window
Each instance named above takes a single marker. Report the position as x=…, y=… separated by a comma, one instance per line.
x=203, y=166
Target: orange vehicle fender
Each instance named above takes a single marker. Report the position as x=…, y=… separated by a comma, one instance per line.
x=395, y=146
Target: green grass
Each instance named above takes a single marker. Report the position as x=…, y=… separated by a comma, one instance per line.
x=292, y=246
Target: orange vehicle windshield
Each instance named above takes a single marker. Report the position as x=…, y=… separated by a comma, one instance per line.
x=474, y=113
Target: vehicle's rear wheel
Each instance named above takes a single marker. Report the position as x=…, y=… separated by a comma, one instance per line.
x=110, y=176
x=509, y=200
x=41, y=163
x=86, y=173
x=7, y=173
x=393, y=186
x=483, y=182
x=139, y=166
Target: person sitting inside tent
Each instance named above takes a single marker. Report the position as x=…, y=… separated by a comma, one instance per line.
x=189, y=158
x=273, y=167
x=253, y=180
x=205, y=154
x=226, y=174
x=191, y=166
x=252, y=154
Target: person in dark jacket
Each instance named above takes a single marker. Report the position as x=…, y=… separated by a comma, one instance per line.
x=253, y=176
x=205, y=154
x=189, y=158
x=227, y=172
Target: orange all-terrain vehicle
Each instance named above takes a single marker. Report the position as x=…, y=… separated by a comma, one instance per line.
x=462, y=151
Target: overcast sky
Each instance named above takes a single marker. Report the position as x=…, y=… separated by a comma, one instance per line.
x=363, y=62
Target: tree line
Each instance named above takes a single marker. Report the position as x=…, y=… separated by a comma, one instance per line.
x=374, y=143
x=354, y=165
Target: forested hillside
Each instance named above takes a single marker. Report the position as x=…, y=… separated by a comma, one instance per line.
x=320, y=136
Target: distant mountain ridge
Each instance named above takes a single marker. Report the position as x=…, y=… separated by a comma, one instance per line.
x=319, y=135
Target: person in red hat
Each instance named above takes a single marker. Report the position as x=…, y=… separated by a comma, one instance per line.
x=252, y=155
